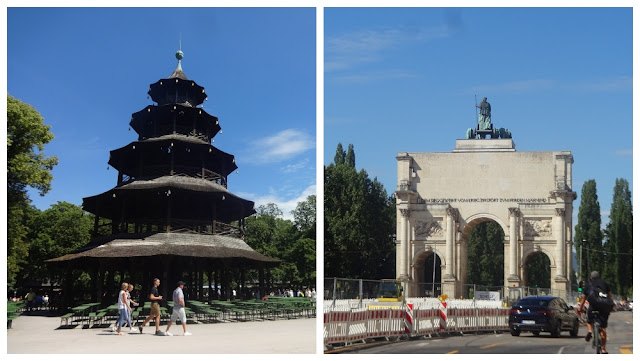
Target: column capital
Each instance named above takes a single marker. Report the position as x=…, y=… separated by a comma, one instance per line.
x=405, y=212
x=452, y=212
x=514, y=211
x=560, y=212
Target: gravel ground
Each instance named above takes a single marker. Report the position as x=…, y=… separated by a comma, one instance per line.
x=41, y=334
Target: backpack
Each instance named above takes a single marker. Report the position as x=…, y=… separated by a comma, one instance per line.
x=599, y=300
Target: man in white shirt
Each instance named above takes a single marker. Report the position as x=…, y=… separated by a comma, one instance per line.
x=178, y=310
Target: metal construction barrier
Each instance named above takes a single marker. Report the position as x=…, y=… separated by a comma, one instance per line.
x=414, y=319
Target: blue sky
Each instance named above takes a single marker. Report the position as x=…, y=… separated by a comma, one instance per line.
x=405, y=79
x=86, y=70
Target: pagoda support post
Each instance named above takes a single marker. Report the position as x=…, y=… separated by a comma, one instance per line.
x=67, y=287
x=169, y=203
x=243, y=286
x=96, y=224
x=200, y=280
x=210, y=283
x=95, y=275
x=261, y=280
x=166, y=262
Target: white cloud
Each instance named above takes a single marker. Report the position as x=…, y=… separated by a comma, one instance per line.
x=607, y=84
x=286, y=205
x=516, y=86
x=590, y=85
x=623, y=152
x=292, y=168
x=281, y=146
x=374, y=76
x=371, y=45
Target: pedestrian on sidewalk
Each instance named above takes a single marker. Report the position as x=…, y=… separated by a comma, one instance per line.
x=178, y=310
x=129, y=303
x=123, y=307
x=155, y=298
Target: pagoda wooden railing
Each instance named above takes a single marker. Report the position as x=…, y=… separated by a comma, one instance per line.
x=174, y=226
x=165, y=129
x=186, y=171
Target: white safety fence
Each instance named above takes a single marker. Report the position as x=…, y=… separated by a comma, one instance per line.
x=344, y=323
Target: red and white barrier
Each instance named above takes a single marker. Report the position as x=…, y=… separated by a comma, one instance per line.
x=443, y=316
x=413, y=320
x=408, y=319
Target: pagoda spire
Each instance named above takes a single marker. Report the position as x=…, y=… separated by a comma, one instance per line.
x=178, y=73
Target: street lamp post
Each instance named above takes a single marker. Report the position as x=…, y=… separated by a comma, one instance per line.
x=580, y=265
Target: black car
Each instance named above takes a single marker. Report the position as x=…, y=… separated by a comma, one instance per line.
x=543, y=314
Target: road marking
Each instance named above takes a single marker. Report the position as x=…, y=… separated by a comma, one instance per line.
x=625, y=350
x=561, y=348
x=454, y=351
x=492, y=345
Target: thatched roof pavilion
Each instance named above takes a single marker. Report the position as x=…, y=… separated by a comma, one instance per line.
x=170, y=214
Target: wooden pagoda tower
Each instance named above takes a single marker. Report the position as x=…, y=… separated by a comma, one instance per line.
x=170, y=213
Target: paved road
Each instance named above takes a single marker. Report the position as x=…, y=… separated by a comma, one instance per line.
x=620, y=341
x=39, y=334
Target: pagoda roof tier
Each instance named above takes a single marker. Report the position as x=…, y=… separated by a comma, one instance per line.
x=177, y=89
x=155, y=156
x=127, y=245
x=154, y=121
x=169, y=197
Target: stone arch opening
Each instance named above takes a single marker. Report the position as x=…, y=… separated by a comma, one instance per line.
x=482, y=240
x=536, y=269
x=429, y=274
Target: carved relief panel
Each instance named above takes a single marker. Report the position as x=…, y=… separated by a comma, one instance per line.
x=431, y=228
x=538, y=227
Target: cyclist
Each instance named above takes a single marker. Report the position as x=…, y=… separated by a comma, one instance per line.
x=591, y=293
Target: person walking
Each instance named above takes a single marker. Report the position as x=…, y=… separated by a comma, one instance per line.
x=178, y=311
x=155, y=298
x=123, y=307
x=129, y=302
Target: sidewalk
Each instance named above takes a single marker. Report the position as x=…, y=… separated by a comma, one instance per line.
x=40, y=334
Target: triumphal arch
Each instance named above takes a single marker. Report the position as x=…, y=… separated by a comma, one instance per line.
x=441, y=197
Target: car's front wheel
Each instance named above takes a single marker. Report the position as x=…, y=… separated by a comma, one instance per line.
x=515, y=332
x=574, y=330
x=556, y=331
x=536, y=333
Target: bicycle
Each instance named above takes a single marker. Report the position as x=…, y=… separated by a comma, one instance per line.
x=597, y=341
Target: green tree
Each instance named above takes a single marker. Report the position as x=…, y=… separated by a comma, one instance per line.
x=486, y=255
x=59, y=230
x=303, y=252
x=341, y=155
x=268, y=233
x=27, y=166
x=304, y=217
x=350, y=159
x=359, y=223
x=619, y=240
x=538, y=271
x=588, y=230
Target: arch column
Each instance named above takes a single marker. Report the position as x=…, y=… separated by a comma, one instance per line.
x=449, y=239
x=513, y=278
x=449, y=279
x=404, y=244
x=560, y=246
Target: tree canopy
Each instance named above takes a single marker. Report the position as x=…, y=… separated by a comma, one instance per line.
x=291, y=242
x=588, y=230
x=359, y=222
x=486, y=255
x=618, y=247
x=27, y=166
